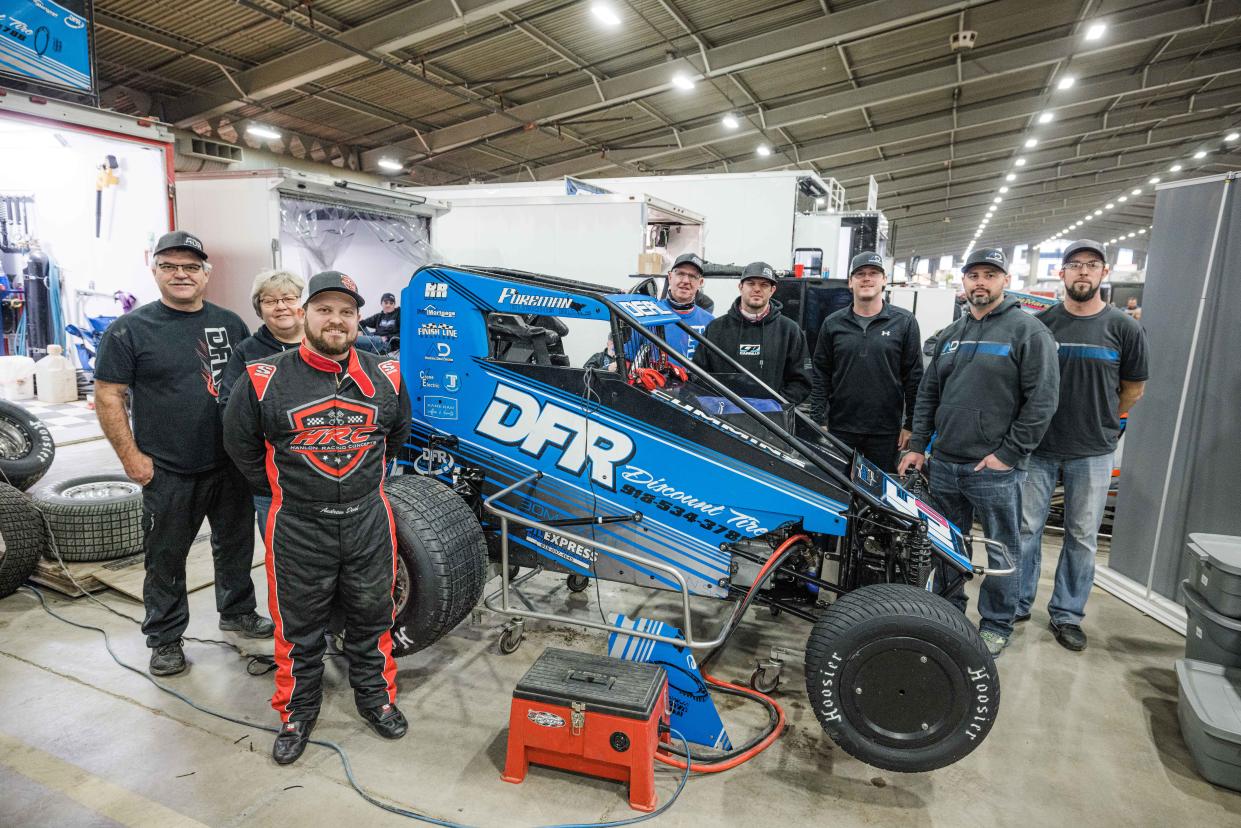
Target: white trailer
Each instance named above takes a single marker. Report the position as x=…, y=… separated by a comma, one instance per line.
x=251, y=220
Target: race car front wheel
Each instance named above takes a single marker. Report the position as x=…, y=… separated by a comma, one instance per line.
x=442, y=561
x=900, y=679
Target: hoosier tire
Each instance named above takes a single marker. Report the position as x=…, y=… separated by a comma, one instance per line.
x=900, y=679
x=21, y=538
x=26, y=447
x=442, y=561
x=97, y=517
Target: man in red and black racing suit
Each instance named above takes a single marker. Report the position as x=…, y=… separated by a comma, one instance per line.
x=314, y=427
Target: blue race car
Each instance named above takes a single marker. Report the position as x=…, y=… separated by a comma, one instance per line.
x=635, y=465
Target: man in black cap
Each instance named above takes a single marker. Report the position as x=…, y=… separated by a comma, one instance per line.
x=1103, y=371
x=684, y=284
x=386, y=324
x=755, y=334
x=988, y=396
x=867, y=366
x=314, y=428
x=170, y=355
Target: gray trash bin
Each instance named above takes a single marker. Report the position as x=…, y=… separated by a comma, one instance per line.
x=1218, y=575
x=1210, y=636
x=1209, y=710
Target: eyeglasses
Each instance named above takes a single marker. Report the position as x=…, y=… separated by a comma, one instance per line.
x=168, y=268
x=1095, y=264
x=271, y=302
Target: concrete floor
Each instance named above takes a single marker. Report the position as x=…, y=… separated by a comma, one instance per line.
x=1082, y=738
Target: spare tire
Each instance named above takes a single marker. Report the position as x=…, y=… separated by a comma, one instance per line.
x=26, y=447
x=900, y=679
x=21, y=538
x=442, y=561
x=93, y=518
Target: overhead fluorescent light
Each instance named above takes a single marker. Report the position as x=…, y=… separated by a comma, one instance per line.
x=1089, y=218
x=1142, y=231
x=1031, y=143
x=1200, y=154
x=763, y=150
x=731, y=122
x=390, y=165
x=1003, y=189
x=1011, y=177
x=1122, y=199
x=1020, y=162
x=996, y=200
x=1175, y=168
x=1232, y=136
x=605, y=14
x=1154, y=179
x=1107, y=206
x=1066, y=82
x=1046, y=117
x=1131, y=235
x=681, y=81
x=260, y=131
x=1136, y=191
x=1096, y=31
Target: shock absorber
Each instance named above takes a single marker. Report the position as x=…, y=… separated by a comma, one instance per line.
x=919, y=547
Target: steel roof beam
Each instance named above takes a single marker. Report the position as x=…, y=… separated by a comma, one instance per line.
x=412, y=23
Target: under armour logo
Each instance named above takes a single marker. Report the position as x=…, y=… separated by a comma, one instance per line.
x=886, y=333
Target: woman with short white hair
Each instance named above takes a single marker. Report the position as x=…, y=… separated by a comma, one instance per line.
x=277, y=299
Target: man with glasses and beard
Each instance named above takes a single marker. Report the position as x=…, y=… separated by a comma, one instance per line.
x=169, y=356
x=1103, y=371
x=314, y=428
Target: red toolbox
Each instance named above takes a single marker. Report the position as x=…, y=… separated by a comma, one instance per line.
x=590, y=714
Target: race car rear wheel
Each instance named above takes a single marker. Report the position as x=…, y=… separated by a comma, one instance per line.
x=26, y=447
x=441, y=561
x=900, y=679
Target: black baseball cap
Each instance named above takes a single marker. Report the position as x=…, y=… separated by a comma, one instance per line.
x=759, y=270
x=993, y=256
x=334, y=280
x=867, y=258
x=387, y=297
x=1083, y=244
x=180, y=240
x=690, y=259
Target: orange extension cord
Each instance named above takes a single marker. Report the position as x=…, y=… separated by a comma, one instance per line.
x=717, y=767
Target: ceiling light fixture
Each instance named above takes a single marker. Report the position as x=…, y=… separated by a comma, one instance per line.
x=682, y=82
x=1232, y=136
x=1136, y=191
x=1011, y=177
x=605, y=14
x=1200, y=154
x=1096, y=31
x=1020, y=162
x=1046, y=117
x=1154, y=179
x=1175, y=168
x=1122, y=199
x=260, y=131
x=763, y=150
x=1066, y=82
x=390, y=165
x=731, y=122
x=996, y=200
x=1131, y=235
x=1031, y=143
x=1003, y=189
x=1110, y=205
x=1142, y=232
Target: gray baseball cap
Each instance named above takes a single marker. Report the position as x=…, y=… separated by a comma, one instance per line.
x=759, y=270
x=1083, y=244
x=867, y=258
x=690, y=259
x=179, y=240
x=993, y=256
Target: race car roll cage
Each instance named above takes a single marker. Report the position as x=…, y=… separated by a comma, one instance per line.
x=904, y=522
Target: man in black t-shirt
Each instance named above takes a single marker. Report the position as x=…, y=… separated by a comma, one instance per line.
x=1103, y=371
x=170, y=355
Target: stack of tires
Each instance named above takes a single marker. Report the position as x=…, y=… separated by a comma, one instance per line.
x=26, y=452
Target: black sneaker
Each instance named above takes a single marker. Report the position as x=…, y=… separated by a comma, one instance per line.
x=250, y=625
x=291, y=741
x=1025, y=616
x=387, y=721
x=1070, y=636
x=168, y=659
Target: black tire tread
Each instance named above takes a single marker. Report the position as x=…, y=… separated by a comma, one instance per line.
x=23, y=472
x=92, y=530
x=22, y=530
x=877, y=600
x=453, y=539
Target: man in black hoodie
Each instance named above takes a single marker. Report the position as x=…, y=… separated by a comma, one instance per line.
x=755, y=334
x=986, y=399
x=867, y=366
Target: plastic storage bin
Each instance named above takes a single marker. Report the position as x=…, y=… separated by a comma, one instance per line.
x=1209, y=709
x=1218, y=574
x=1210, y=636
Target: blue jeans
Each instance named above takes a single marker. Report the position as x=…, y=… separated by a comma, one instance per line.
x=994, y=497
x=374, y=344
x=1086, y=481
x=262, y=505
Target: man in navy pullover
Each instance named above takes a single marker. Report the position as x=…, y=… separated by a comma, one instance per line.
x=987, y=397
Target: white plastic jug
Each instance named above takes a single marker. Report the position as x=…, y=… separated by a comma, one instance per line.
x=55, y=378
x=16, y=378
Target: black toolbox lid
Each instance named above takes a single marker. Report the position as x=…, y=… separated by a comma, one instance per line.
x=604, y=684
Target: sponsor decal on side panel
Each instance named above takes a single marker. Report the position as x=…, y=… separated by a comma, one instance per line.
x=516, y=418
x=512, y=296
x=440, y=329
x=439, y=352
x=431, y=310
x=640, y=309
x=435, y=290
x=440, y=408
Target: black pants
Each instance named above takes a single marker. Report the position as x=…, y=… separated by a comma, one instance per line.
x=318, y=557
x=173, y=508
x=879, y=449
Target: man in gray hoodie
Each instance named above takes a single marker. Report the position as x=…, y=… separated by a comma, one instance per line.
x=986, y=399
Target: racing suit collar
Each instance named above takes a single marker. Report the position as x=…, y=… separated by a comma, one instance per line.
x=352, y=366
